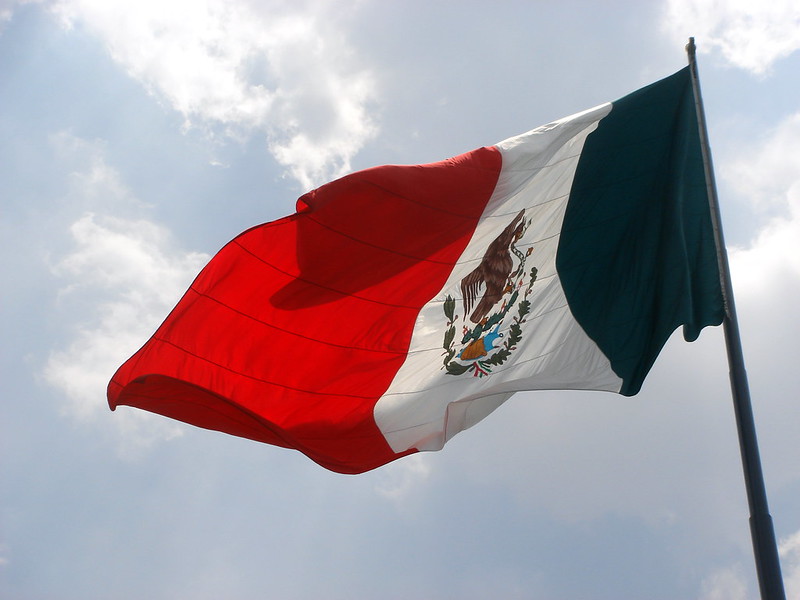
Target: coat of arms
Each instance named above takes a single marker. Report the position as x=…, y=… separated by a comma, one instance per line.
x=485, y=343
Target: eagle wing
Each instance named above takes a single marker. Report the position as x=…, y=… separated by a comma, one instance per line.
x=471, y=287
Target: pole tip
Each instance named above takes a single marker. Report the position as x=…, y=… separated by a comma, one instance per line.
x=690, y=48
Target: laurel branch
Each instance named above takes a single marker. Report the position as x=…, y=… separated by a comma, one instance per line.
x=483, y=366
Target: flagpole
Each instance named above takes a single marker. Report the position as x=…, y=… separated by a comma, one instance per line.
x=765, y=548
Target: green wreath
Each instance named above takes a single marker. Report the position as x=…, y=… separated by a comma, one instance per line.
x=483, y=366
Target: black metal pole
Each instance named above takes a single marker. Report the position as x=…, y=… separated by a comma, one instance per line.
x=765, y=548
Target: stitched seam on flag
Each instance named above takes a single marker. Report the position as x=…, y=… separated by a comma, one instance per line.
x=638, y=141
x=419, y=203
x=632, y=318
x=612, y=183
x=319, y=285
x=254, y=378
x=473, y=260
x=528, y=318
x=540, y=168
x=439, y=420
x=526, y=245
x=461, y=298
x=371, y=245
x=300, y=335
x=514, y=212
x=245, y=412
x=505, y=215
x=495, y=370
x=615, y=217
x=277, y=430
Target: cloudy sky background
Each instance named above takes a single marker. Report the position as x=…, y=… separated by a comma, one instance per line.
x=139, y=137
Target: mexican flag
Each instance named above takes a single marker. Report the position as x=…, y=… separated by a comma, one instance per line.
x=401, y=305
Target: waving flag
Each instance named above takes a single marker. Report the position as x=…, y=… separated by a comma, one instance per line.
x=402, y=304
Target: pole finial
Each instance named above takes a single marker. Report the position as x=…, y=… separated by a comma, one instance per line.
x=690, y=49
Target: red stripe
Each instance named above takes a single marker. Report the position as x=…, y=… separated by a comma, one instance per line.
x=295, y=328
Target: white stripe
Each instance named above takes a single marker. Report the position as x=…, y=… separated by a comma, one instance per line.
x=424, y=405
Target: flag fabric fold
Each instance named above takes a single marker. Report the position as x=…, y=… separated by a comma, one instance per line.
x=402, y=304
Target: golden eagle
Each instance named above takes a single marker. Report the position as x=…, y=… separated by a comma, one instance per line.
x=492, y=272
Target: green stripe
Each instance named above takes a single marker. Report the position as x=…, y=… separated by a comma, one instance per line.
x=637, y=257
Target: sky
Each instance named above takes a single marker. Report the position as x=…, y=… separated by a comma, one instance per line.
x=139, y=137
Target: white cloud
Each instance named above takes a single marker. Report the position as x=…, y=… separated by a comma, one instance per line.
x=730, y=584
x=235, y=68
x=397, y=480
x=128, y=266
x=750, y=35
x=768, y=175
x=789, y=550
x=121, y=276
x=7, y=8
x=766, y=275
x=93, y=184
x=724, y=584
x=130, y=278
